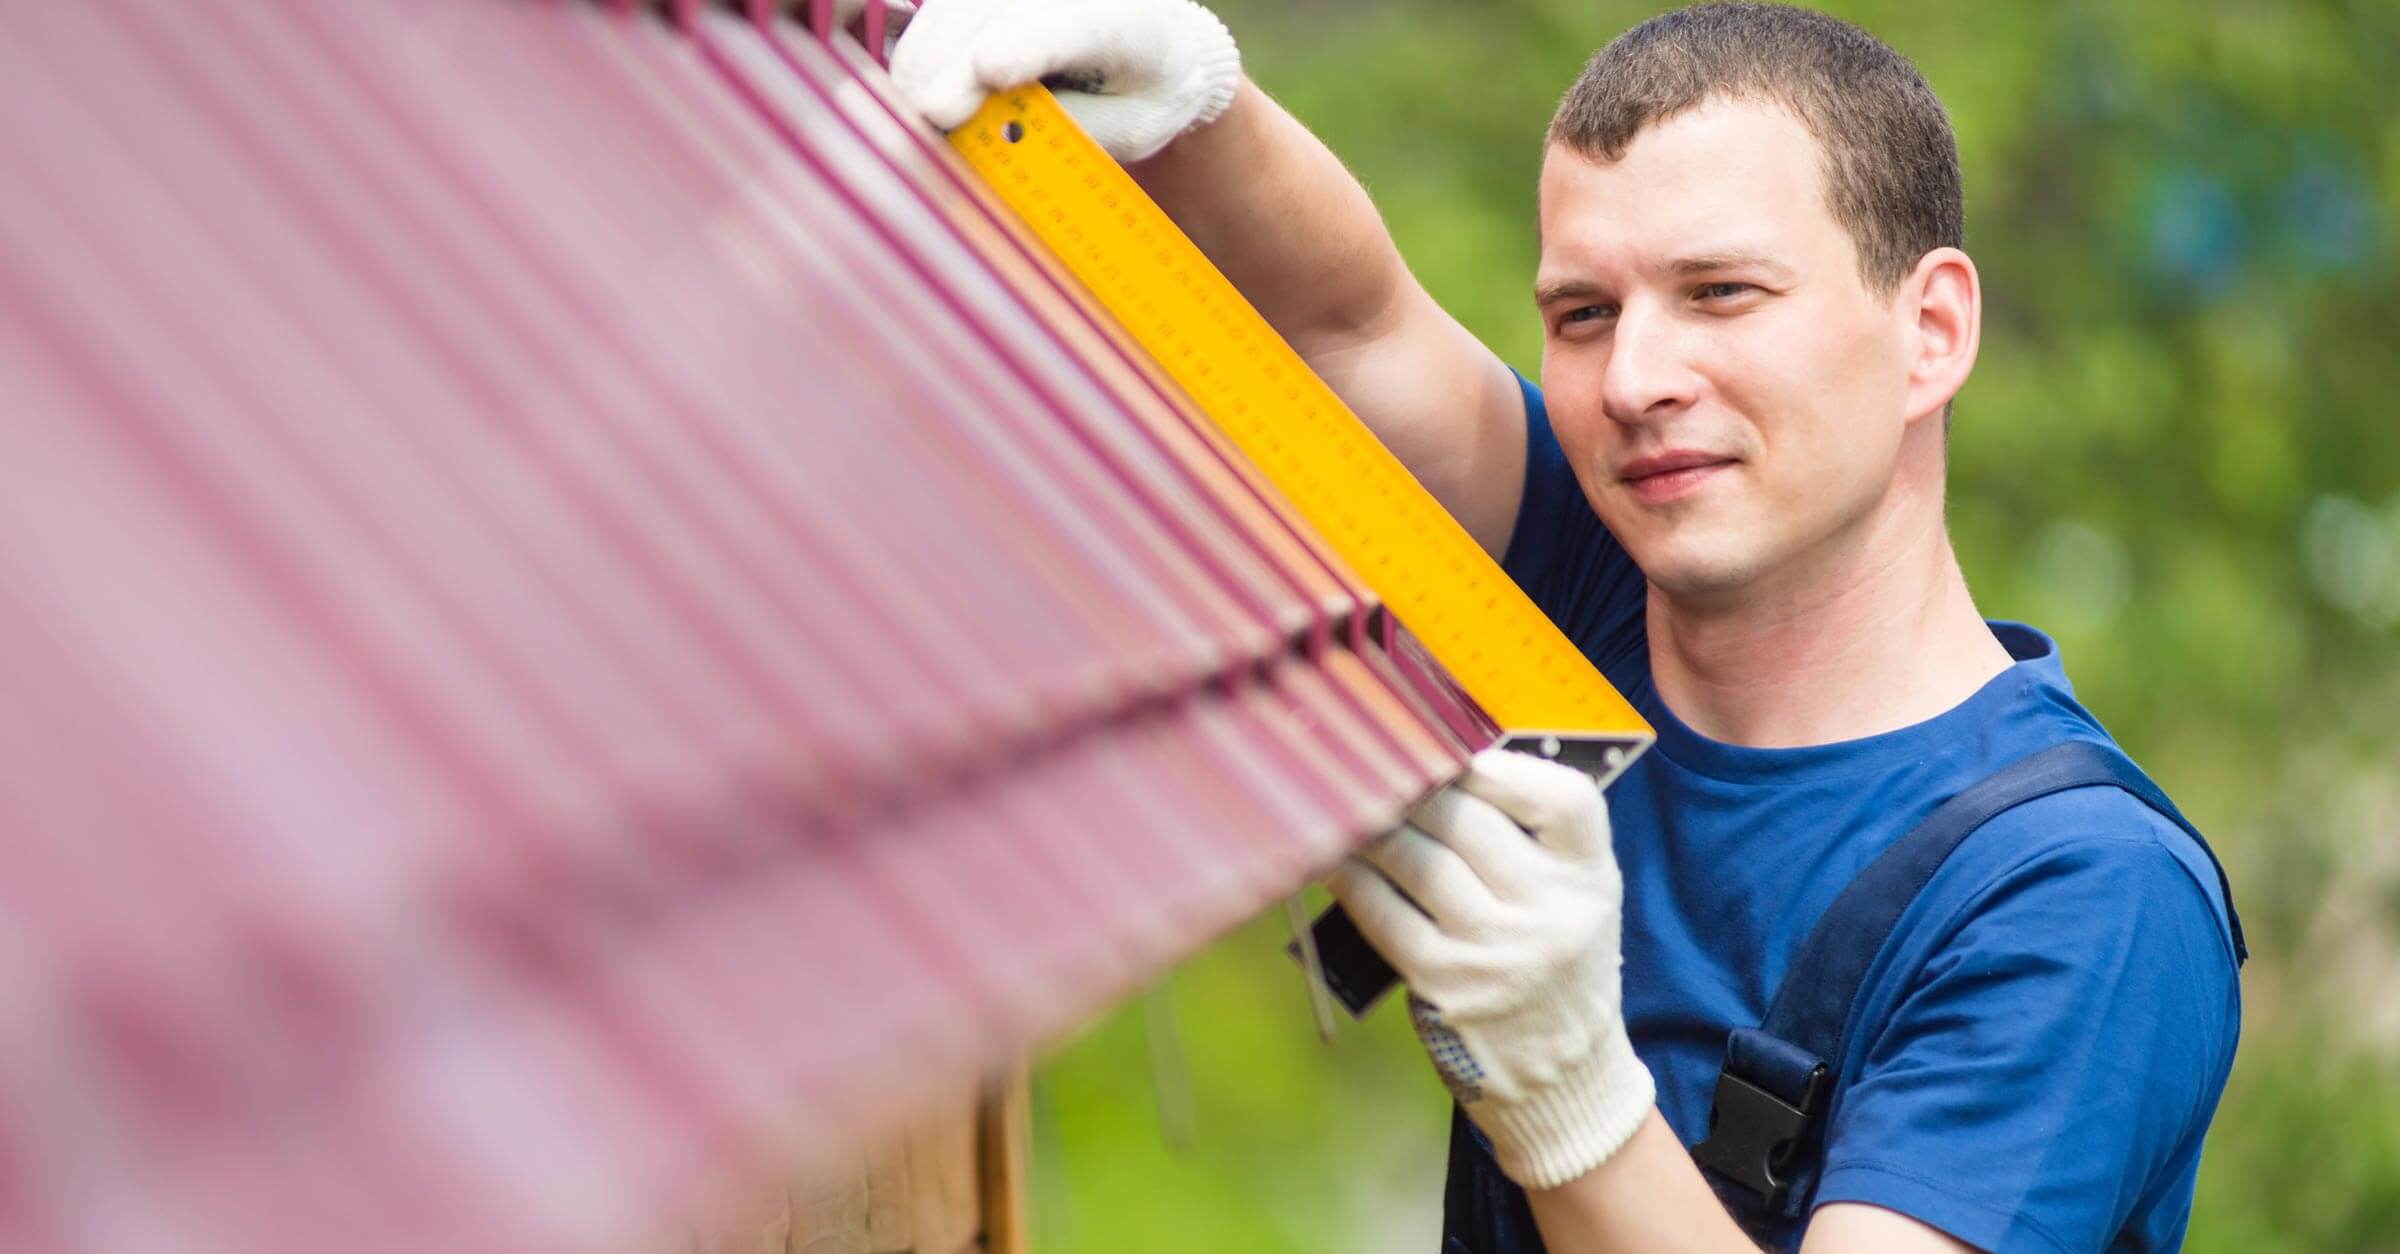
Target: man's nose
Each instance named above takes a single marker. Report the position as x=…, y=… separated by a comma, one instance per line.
x=1649, y=370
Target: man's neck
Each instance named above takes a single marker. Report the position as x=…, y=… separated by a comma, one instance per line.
x=1886, y=638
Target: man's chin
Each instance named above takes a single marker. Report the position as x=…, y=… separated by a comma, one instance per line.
x=1694, y=574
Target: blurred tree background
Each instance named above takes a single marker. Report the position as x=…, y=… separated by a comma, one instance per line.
x=2179, y=454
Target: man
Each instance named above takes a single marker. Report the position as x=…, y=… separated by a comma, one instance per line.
x=1728, y=489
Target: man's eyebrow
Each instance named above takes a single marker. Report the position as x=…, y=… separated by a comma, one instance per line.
x=1564, y=289
x=1726, y=259
x=1713, y=262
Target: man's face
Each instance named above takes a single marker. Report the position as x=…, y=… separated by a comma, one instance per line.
x=1729, y=392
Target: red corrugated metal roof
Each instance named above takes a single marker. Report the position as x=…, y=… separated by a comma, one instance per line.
x=579, y=613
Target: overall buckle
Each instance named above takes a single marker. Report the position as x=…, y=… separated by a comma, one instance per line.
x=1754, y=1135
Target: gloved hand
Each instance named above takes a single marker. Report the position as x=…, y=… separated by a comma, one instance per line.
x=1141, y=71
x=1512, y=961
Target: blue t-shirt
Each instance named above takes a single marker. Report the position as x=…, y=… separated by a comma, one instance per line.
x=2042, y=1046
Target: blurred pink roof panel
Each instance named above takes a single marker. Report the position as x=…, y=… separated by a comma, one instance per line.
x=579, y=613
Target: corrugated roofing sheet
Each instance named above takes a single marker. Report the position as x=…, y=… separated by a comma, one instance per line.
x=578, y=614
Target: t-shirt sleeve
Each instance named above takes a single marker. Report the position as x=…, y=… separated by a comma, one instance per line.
x=2046, y=1076
x=1565, y=560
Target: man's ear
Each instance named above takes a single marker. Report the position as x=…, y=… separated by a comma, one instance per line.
x=1941, y=302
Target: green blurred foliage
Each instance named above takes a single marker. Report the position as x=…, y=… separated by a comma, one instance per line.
x=2179, y=453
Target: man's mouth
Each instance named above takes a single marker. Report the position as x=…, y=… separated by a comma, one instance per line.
x=1664, y=477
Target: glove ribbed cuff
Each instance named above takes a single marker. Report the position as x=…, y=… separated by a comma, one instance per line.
x=1571, y=1126
x=1217, y=71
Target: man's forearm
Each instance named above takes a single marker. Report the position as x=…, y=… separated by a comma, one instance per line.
x=1267, y=203
x=1289, y=225
x=1284, y=219
x=1648, y=1196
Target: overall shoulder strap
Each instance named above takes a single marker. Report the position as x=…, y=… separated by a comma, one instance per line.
x=1763, y=1139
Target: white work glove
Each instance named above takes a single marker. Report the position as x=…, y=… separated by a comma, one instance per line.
x=1141, y=72
x=1512, y=960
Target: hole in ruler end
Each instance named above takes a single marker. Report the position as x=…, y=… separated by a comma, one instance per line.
x=1603, y=757
x=1013, y=132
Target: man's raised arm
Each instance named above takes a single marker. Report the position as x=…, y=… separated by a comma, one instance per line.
x=1268, y=203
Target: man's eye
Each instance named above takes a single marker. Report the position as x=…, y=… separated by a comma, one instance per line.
x=1723, y=291
x=1585, y=313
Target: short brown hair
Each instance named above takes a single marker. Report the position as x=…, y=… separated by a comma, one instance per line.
x=1890, y=161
